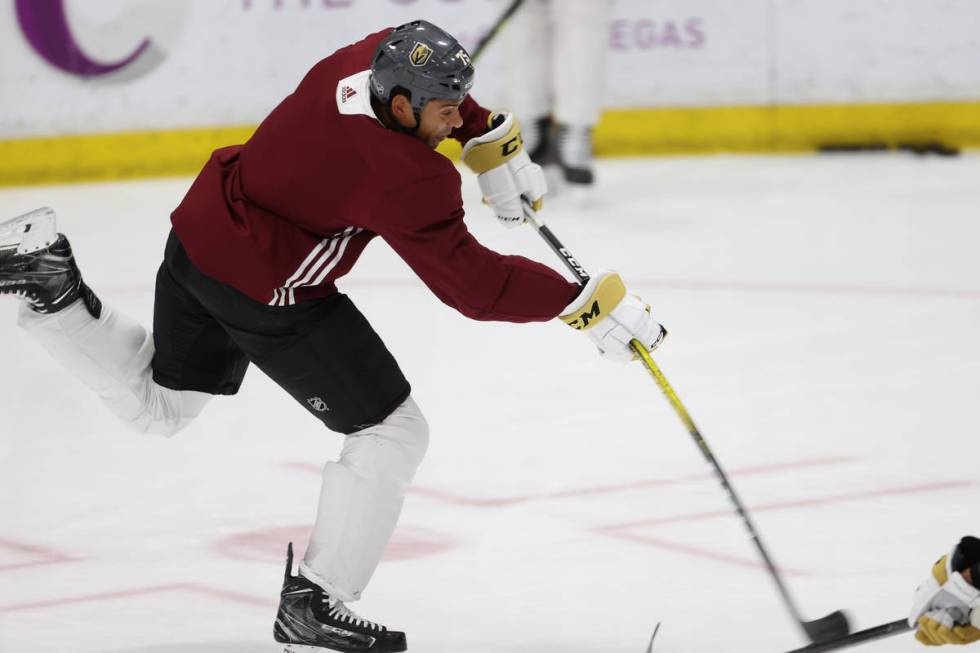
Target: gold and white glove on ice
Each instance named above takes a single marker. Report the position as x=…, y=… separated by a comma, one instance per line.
x=611, y=317
x=946, y=607
x=504, y=170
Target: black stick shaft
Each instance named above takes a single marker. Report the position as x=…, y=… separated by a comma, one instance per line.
x=489, y=36
x=860, y=637
x=573, y=265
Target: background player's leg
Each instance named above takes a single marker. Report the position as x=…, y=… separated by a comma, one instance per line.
x=525, y=41
x=579, y=60
x=360, y=500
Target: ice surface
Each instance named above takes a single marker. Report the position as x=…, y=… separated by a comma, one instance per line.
x=823, y=316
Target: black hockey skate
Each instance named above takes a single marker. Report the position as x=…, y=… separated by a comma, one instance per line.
x=575, y=154
x=312, y=621
x=544, y=152
x=36, y=264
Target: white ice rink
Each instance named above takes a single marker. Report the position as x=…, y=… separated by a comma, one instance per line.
x=823, y=315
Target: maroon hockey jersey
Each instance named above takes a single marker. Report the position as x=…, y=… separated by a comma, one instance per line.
x=281, y=217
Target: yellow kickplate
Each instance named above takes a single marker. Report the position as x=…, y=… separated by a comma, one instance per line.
x=112, y=156
x=642, y=132
x=620, y=132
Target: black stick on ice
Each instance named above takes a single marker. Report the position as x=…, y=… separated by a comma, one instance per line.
x=860, y=637
x=653, y=637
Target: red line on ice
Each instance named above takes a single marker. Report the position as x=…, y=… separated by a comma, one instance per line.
x=798, y=503
x=839, y=289
x=44, y=556
x=492, y=502
x=626, y=531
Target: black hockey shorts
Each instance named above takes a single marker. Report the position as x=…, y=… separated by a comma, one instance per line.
x=322, y=352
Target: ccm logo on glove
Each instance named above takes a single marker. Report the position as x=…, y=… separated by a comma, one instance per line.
x=612, y=318
x=511, y=146
x=608, y=293
x=504, y=171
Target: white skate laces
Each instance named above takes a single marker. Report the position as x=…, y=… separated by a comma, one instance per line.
x=341, y=612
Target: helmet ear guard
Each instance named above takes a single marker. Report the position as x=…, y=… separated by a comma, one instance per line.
x=425, y=61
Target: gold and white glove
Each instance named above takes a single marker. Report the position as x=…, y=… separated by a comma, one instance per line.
x=611, y=317
x=504, y=170
x=946, y=606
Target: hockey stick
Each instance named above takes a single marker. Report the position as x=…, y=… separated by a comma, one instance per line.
x=489, y=36
x=831, y=627
x=653, y=637
x=860, y=637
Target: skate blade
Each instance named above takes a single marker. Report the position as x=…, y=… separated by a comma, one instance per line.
x=30, y=232
x=300, y=648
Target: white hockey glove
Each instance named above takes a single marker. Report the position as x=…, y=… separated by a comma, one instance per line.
x=612, y=318
x=946, y=607
x=504, y=170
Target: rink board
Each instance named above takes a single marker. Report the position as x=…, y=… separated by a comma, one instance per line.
x=627, y=132
x=120, y=89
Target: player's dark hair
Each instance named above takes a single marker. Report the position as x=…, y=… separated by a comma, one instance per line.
x=385, y=106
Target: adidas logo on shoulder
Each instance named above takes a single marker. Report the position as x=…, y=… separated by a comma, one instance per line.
x=352, y=95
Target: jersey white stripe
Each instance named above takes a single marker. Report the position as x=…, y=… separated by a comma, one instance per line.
x=278, y=292
x=340, y=254
x=306, y=261
x=320, y=261
x=285, y=295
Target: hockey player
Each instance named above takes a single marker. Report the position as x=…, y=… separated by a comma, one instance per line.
x=248, y=277
x=555, y=54
x=946, y=606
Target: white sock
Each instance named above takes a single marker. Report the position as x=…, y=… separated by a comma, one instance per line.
x=360, y=501
x=112, y=355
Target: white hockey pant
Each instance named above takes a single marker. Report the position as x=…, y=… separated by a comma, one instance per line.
x=360, y=500
x=112, y=355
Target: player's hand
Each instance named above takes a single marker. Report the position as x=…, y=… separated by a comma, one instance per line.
x=611, y=317
x=946, y=606
x=504, y=170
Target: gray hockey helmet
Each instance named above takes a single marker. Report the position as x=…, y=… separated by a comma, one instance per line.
x=423, y=59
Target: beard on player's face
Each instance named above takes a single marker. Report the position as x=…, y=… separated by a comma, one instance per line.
x=438, y=119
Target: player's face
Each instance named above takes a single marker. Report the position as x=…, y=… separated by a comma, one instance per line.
x=439, y=118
